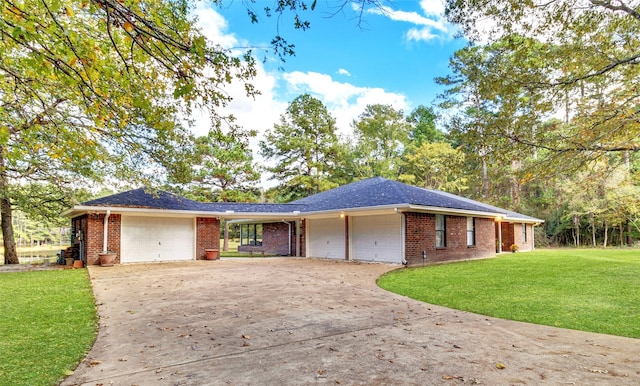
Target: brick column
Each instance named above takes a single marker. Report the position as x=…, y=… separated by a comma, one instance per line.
x=207, y=235
x=94, y=235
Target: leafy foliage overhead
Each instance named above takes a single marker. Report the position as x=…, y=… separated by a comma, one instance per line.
x=576, y=59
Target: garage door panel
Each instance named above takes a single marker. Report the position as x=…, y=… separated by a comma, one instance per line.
x=156, y=239
x=326, y=238
x=377, y=238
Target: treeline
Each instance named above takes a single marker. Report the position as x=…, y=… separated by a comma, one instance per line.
x=595, y=202
x=587, y=200
x=592, y=202
x=34, y=233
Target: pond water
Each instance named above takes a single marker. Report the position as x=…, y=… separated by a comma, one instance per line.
x=38, y=257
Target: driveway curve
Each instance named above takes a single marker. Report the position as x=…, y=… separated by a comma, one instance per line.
x=288, y=321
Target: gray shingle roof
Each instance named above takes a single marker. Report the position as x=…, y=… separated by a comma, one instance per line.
x=379, y=191
x=141, y=198
x=368, y=193
x=156, y=199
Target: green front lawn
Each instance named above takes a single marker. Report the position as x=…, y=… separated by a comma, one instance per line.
x=48, y=323
x=585, y=289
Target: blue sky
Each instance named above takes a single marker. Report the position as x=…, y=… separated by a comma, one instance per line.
x=391, y=58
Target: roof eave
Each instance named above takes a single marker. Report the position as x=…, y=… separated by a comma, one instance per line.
x=79, y=210
x=365, y=210
x=454, y=211
x=535, y=221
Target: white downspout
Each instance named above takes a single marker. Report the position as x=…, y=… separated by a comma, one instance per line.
x=106, y=231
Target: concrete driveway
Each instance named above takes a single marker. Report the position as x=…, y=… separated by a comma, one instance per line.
x=286, y=321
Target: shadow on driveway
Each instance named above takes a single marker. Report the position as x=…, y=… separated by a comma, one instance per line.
x=288, y=321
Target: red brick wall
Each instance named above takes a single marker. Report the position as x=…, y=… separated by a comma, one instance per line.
x=275, y=239
x=517, y=230
x=508, y=236
x=420, y=236
x=207, y=235
x=93, y=236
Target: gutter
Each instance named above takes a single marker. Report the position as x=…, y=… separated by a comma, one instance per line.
x=82, y=209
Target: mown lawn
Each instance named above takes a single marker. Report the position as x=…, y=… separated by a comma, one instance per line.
x=48, y=322
x=584, y=289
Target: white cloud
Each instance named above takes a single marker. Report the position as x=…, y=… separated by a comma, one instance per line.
x=214, y=26
x=413, y=18
x=420, y=34
x=343, y=100
x=433, y=7
x=429, y=25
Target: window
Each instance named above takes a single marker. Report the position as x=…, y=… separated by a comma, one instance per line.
x=471, y=231
x=251, y=234
x=524, y=233
x=441, y=240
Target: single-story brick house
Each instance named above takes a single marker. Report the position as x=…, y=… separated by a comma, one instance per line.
x=370, y=220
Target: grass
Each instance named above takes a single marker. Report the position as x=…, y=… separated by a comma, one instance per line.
x=48, y=323
x=593, y=290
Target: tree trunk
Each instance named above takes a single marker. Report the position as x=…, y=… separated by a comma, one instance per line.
x=627, y=160
x=225, y=245
x=6, y=214
x=621, y=228
x=515, y=184
x=533, y=138
x=604, y=243
x=593, y=230
x=485, y=178
x=10, y=254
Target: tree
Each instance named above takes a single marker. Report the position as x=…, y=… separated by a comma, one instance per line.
x=423, y=126
x=305, y=149
x=471, y=126
x=589, y=51
x=381, y=136
x=223, y=168
x=488, y=108
x=435, y=166
x=86, y=92
x=93, y=90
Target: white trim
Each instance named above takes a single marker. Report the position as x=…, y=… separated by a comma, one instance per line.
x=195, y=238
x=499, y=236
x=82, y=209
x=363, y=211
x=306, y=238
x=403, y=226
x=276, y=216
x=350, y=232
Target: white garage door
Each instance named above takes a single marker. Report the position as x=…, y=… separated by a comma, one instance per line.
x=377, y=238
x=326, y=238
x=156, y=239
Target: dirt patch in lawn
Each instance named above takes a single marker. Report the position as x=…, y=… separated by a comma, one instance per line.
x=302, y=321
